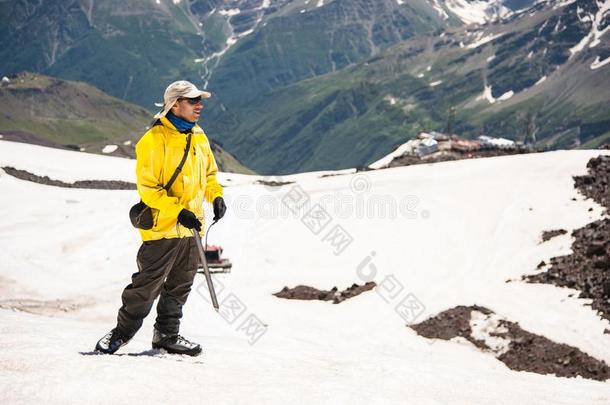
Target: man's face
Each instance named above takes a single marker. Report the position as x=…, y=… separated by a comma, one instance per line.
x=188, y=108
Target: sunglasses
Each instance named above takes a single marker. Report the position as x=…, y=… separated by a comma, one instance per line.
x=191, y=101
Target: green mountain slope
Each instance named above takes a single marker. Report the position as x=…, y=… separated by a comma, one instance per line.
x=300, y=87
x=130, y=49
x=52, y=112
x=512, y=78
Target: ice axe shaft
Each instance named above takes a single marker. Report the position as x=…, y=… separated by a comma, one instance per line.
x=206, y=271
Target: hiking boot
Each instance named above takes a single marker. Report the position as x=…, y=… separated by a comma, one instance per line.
x=175, y=344
x=111, y=342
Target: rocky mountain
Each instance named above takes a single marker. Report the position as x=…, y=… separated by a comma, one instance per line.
x=538, y=73
x=47, y=111
x=318, y=84
x=132, y=48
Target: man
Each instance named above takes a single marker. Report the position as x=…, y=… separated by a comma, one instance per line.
x=168, y=258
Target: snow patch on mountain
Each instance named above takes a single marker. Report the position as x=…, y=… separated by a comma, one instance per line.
x=597, y=64
x=477, y=11
x=487, y=95
x=483, y=40
x=562, y=3
x=593, y=37
x=109, y=148
x=506, y=95
x=230, y=12
x=439, y=9
x=542, y=79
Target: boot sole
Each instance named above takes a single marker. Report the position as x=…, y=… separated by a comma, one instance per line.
x=193, y=352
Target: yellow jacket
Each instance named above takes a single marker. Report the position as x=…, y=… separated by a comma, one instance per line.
x=158, y=154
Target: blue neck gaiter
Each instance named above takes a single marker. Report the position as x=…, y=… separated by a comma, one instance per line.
x=181, y=124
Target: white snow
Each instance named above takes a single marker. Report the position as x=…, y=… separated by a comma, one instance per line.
x=542, y=79
x=593, y=38
x=506, y=95
x=597, y=64
x=483, y=41
x=487, y=95
x=562, y=3
x=50, y=162
x=440, y=10
x=127, y=143
x=320, y=3
x=109, y=148
x=420, y=75
x=490, y=58
x=384, y=161
x=477, y=11
x=543, y=26
x=474, y=224
x=435, y=83
x=230, y=12
x=483, y=326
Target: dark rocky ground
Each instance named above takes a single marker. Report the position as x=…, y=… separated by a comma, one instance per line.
x=407, y=160
x=547, y=235
x=526, y=351
x=587, y=269
x=273, y=183
x=89, y=184
x=28, y=137
x=303, y=292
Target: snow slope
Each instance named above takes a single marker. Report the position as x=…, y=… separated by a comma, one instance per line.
x=468, y=226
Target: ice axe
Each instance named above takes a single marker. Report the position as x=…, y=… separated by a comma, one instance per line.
x=206, y=271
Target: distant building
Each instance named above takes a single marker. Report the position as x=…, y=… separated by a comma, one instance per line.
x=427, y=146
x=496, y=143
x=439, y=137
x=465, y=145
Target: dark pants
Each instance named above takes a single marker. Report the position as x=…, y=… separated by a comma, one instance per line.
x=166, y=267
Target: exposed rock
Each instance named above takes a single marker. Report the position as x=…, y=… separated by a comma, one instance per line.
x=303, y=292
x=89, y=184
x=588, y=268
x=546, y=235
x=519, y=349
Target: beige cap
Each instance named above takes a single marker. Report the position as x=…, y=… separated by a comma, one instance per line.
x=177, y=90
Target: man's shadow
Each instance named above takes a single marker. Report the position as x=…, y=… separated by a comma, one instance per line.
x=154, y=353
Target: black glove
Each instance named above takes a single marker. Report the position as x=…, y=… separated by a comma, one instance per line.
x=189, y=220
x=219, y=208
